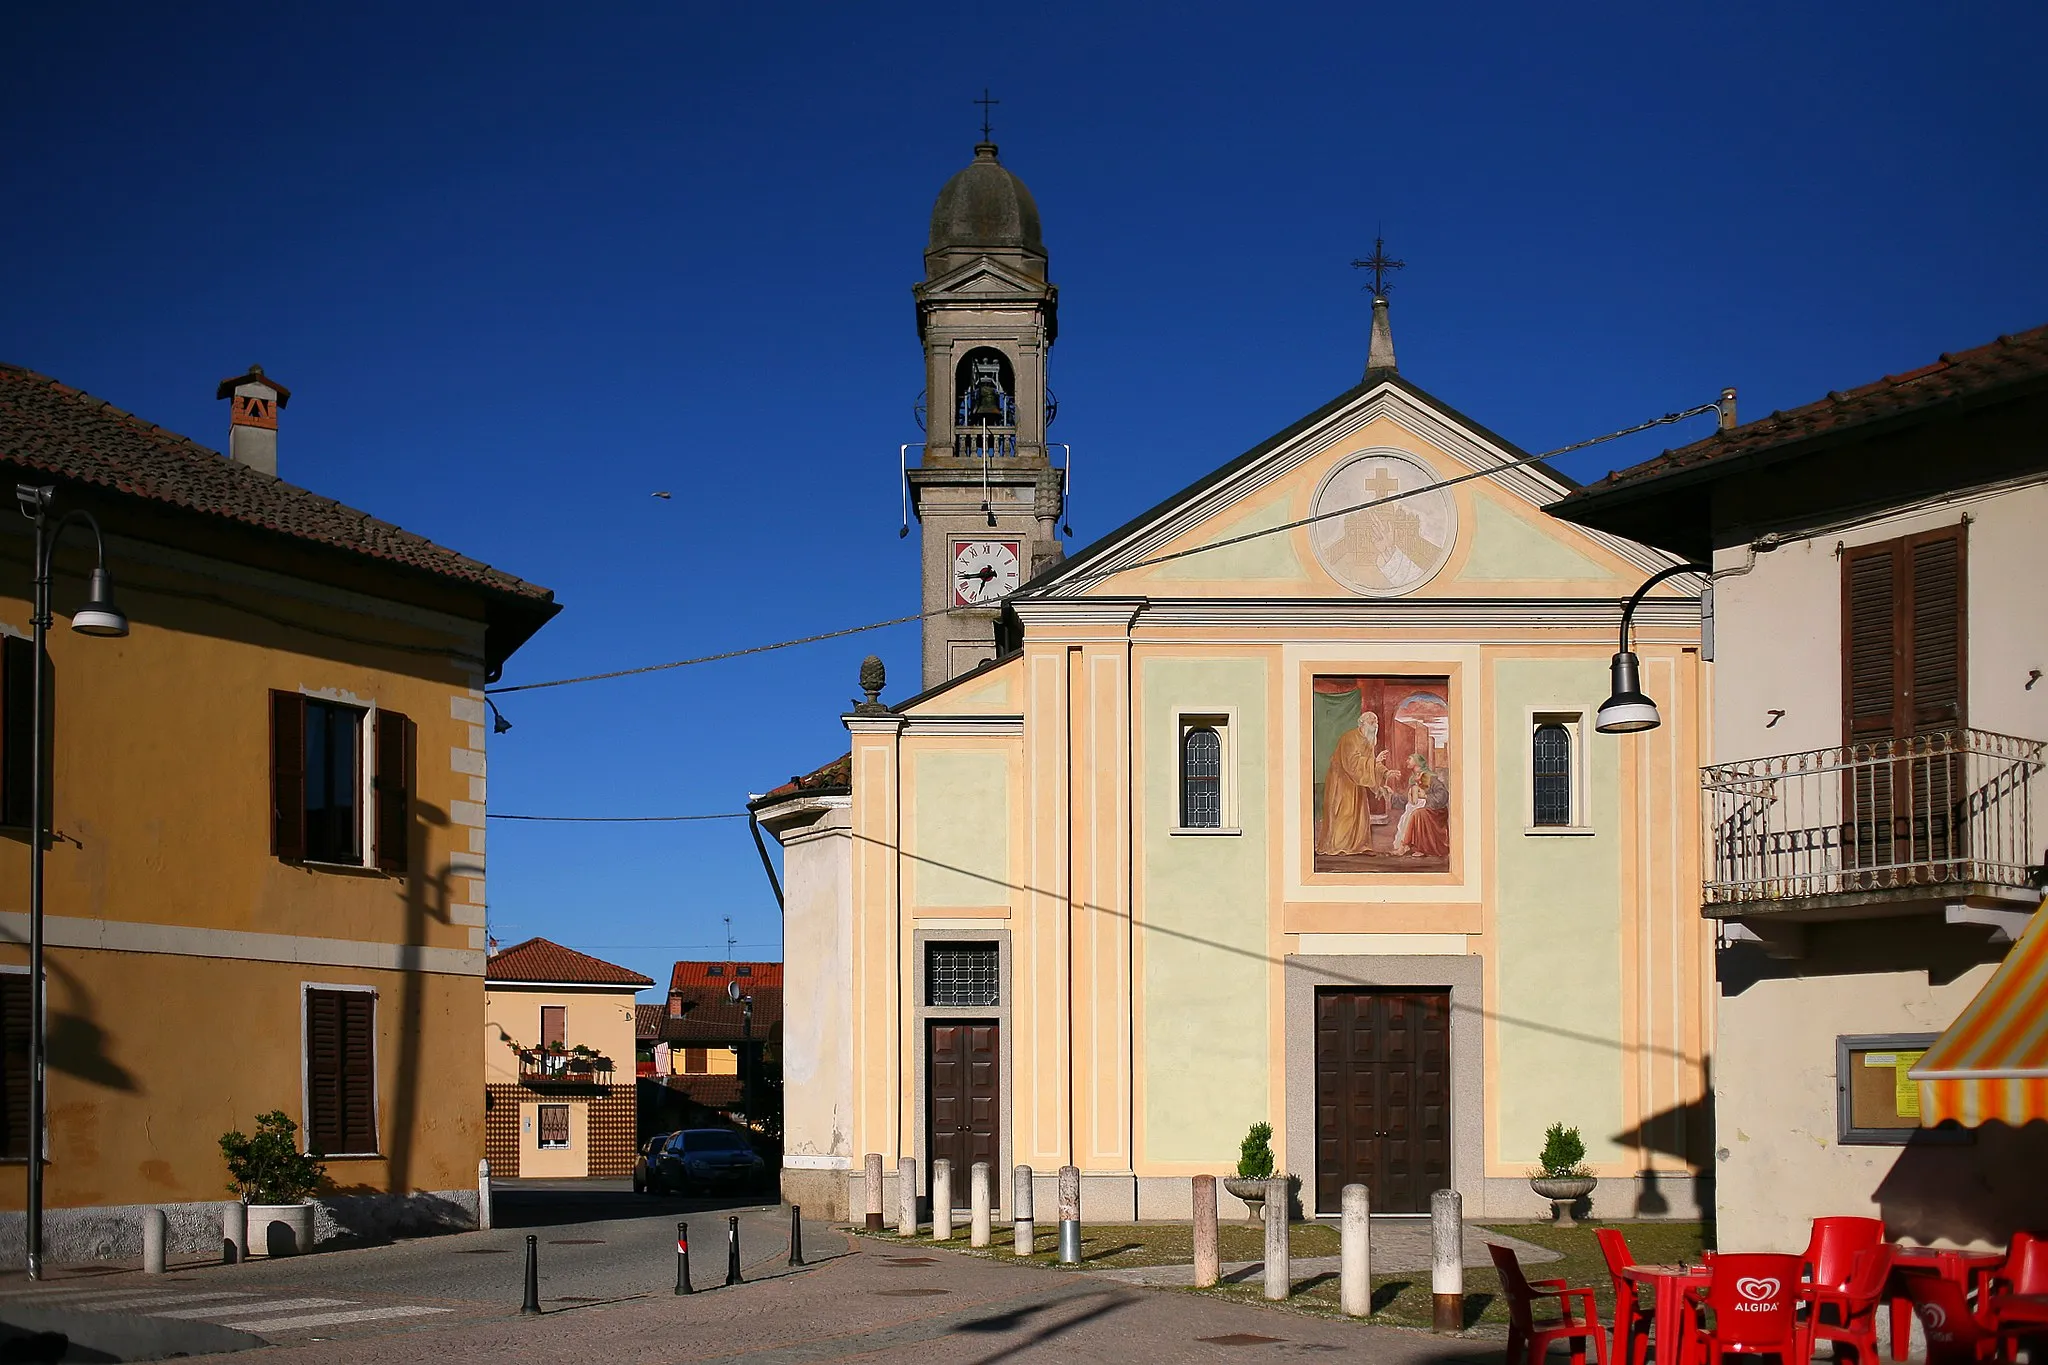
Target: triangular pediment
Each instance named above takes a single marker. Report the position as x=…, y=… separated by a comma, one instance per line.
x=1459, y=514
x=980, y=278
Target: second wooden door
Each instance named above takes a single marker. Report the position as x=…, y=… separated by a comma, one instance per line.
x=963, y=1100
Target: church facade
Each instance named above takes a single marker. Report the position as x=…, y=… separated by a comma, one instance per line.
x=1281, y=803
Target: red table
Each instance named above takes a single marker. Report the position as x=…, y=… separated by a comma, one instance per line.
x=1669, y=1283
x=1963, y=1267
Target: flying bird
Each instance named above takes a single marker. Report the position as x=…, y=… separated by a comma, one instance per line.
x=663, y=495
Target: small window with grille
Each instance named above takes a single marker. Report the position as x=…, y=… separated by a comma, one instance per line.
x=962, y=975
x=1550, y=756
x=1203, y=758
x=554, y=1125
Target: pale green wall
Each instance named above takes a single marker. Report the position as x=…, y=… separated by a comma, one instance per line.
x=1507, y=549
x=1204, y=923
x=1267, y=559
x=1558, y=927
x=959, y=842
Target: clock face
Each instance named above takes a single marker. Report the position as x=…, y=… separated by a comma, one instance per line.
x=984, y=571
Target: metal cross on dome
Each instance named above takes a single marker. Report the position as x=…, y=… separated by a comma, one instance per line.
x=985, y=102
x=1379, y=263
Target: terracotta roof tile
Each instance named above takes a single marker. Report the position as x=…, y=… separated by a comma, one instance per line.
x=2009, y=361
x=647, y=1022
x=56, y=430
x=687, y=975
x=541, y=960
x=709, y=1016
x=832, y=779
x=721, y=1092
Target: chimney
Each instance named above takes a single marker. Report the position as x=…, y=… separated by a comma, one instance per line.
x=252, y=428
x=1727, y=407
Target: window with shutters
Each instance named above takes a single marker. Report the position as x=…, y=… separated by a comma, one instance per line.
x=341, y=781
x=17, y=729
x=554, y=1125
x=341, y=1071
x=1905, y=638
x=14, y=1054
x=1203, y=757
x=696, y=1061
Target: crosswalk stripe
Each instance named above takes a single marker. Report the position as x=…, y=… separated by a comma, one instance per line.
x=331, y=1319
x=102, y=1305
x=228, y=1310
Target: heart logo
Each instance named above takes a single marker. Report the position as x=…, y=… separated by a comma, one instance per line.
x=1757, y=1288
x=1932, y=1315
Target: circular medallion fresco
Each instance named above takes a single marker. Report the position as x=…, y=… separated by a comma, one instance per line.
x=1388, y=550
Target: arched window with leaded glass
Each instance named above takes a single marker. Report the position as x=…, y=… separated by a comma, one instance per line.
x=1201, y=778
x=1551, y=762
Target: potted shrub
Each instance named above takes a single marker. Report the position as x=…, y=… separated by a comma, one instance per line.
x=275, y=1180
x=1562, y=1177
x=1254, y=1168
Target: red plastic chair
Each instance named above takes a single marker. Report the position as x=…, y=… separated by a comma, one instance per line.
x=2026, y=1266
x=1632, y=1321
x=1955, y=1335
x=1529, y=1336
x=1754, y=1302
x=1831, y=1251
x=1855, y=1304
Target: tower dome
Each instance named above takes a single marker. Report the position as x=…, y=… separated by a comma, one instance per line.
x=986, y=207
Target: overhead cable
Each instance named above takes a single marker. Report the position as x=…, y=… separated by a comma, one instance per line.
x=1097, y=576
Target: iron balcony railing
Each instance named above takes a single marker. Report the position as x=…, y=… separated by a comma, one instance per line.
x=1946, y=809
x=984, y=442
x=567, y=1068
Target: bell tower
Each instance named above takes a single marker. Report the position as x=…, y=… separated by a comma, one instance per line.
x=989, y=499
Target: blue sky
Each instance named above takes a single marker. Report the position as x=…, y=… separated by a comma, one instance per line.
x=523, y=265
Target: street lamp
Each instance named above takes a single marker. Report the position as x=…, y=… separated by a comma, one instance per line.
x=1627, y=709
x=99, y=617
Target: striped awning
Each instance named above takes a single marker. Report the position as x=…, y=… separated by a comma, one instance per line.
x=1992, y=1062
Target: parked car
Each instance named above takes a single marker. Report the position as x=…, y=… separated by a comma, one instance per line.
x=643, y=1167
x=706, y=1160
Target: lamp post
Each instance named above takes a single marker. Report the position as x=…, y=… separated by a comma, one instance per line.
x=100, y=617
x=1627, y=709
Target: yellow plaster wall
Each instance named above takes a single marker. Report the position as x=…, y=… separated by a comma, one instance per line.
x=598, y=1019
x=958, y=853
x=154, y=1056
x=554, y=1163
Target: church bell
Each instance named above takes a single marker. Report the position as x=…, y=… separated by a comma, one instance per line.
x=986, y=403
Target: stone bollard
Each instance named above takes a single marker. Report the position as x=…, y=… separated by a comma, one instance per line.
x=1208, y=1267
x=1355, y=1245
x=1279, y=1279
x=978, y=1198
x=234, y=1233
x=906, y=1197
x=1447, y=1259
x=483, y=1195
x=1021, y=1211
x=155, y=1232
x=871, y=1177
x=1070, y=1215
x=942, y=1200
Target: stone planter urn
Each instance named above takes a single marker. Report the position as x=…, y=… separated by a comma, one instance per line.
x=280, y=1229
x=1253, y=1192
x=1563, y=1191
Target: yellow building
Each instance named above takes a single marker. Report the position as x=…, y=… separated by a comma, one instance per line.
x=1262, y=808
x=559, y=1030
x=265, y=868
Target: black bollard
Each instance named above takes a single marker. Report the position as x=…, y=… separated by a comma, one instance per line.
x=732, y=1251
x=796, y=1234
x=683, y=1259
x=532, y=1303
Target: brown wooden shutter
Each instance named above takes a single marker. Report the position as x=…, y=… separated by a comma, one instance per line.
x=1939, y=624
x=1871, y=643
x=359, y=1072
x=392, y=791
x=17, y=729
x=323, y=1071
x=341, y=1082
x=287, y=775
x=14, y=1063
x=552, y=1024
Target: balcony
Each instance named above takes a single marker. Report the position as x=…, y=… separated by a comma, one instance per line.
x=544, y=1067
x=984, y=442
x=1888, y=827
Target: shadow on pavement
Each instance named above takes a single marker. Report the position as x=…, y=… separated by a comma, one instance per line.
x=1010, y=1321
x=531, y=1206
